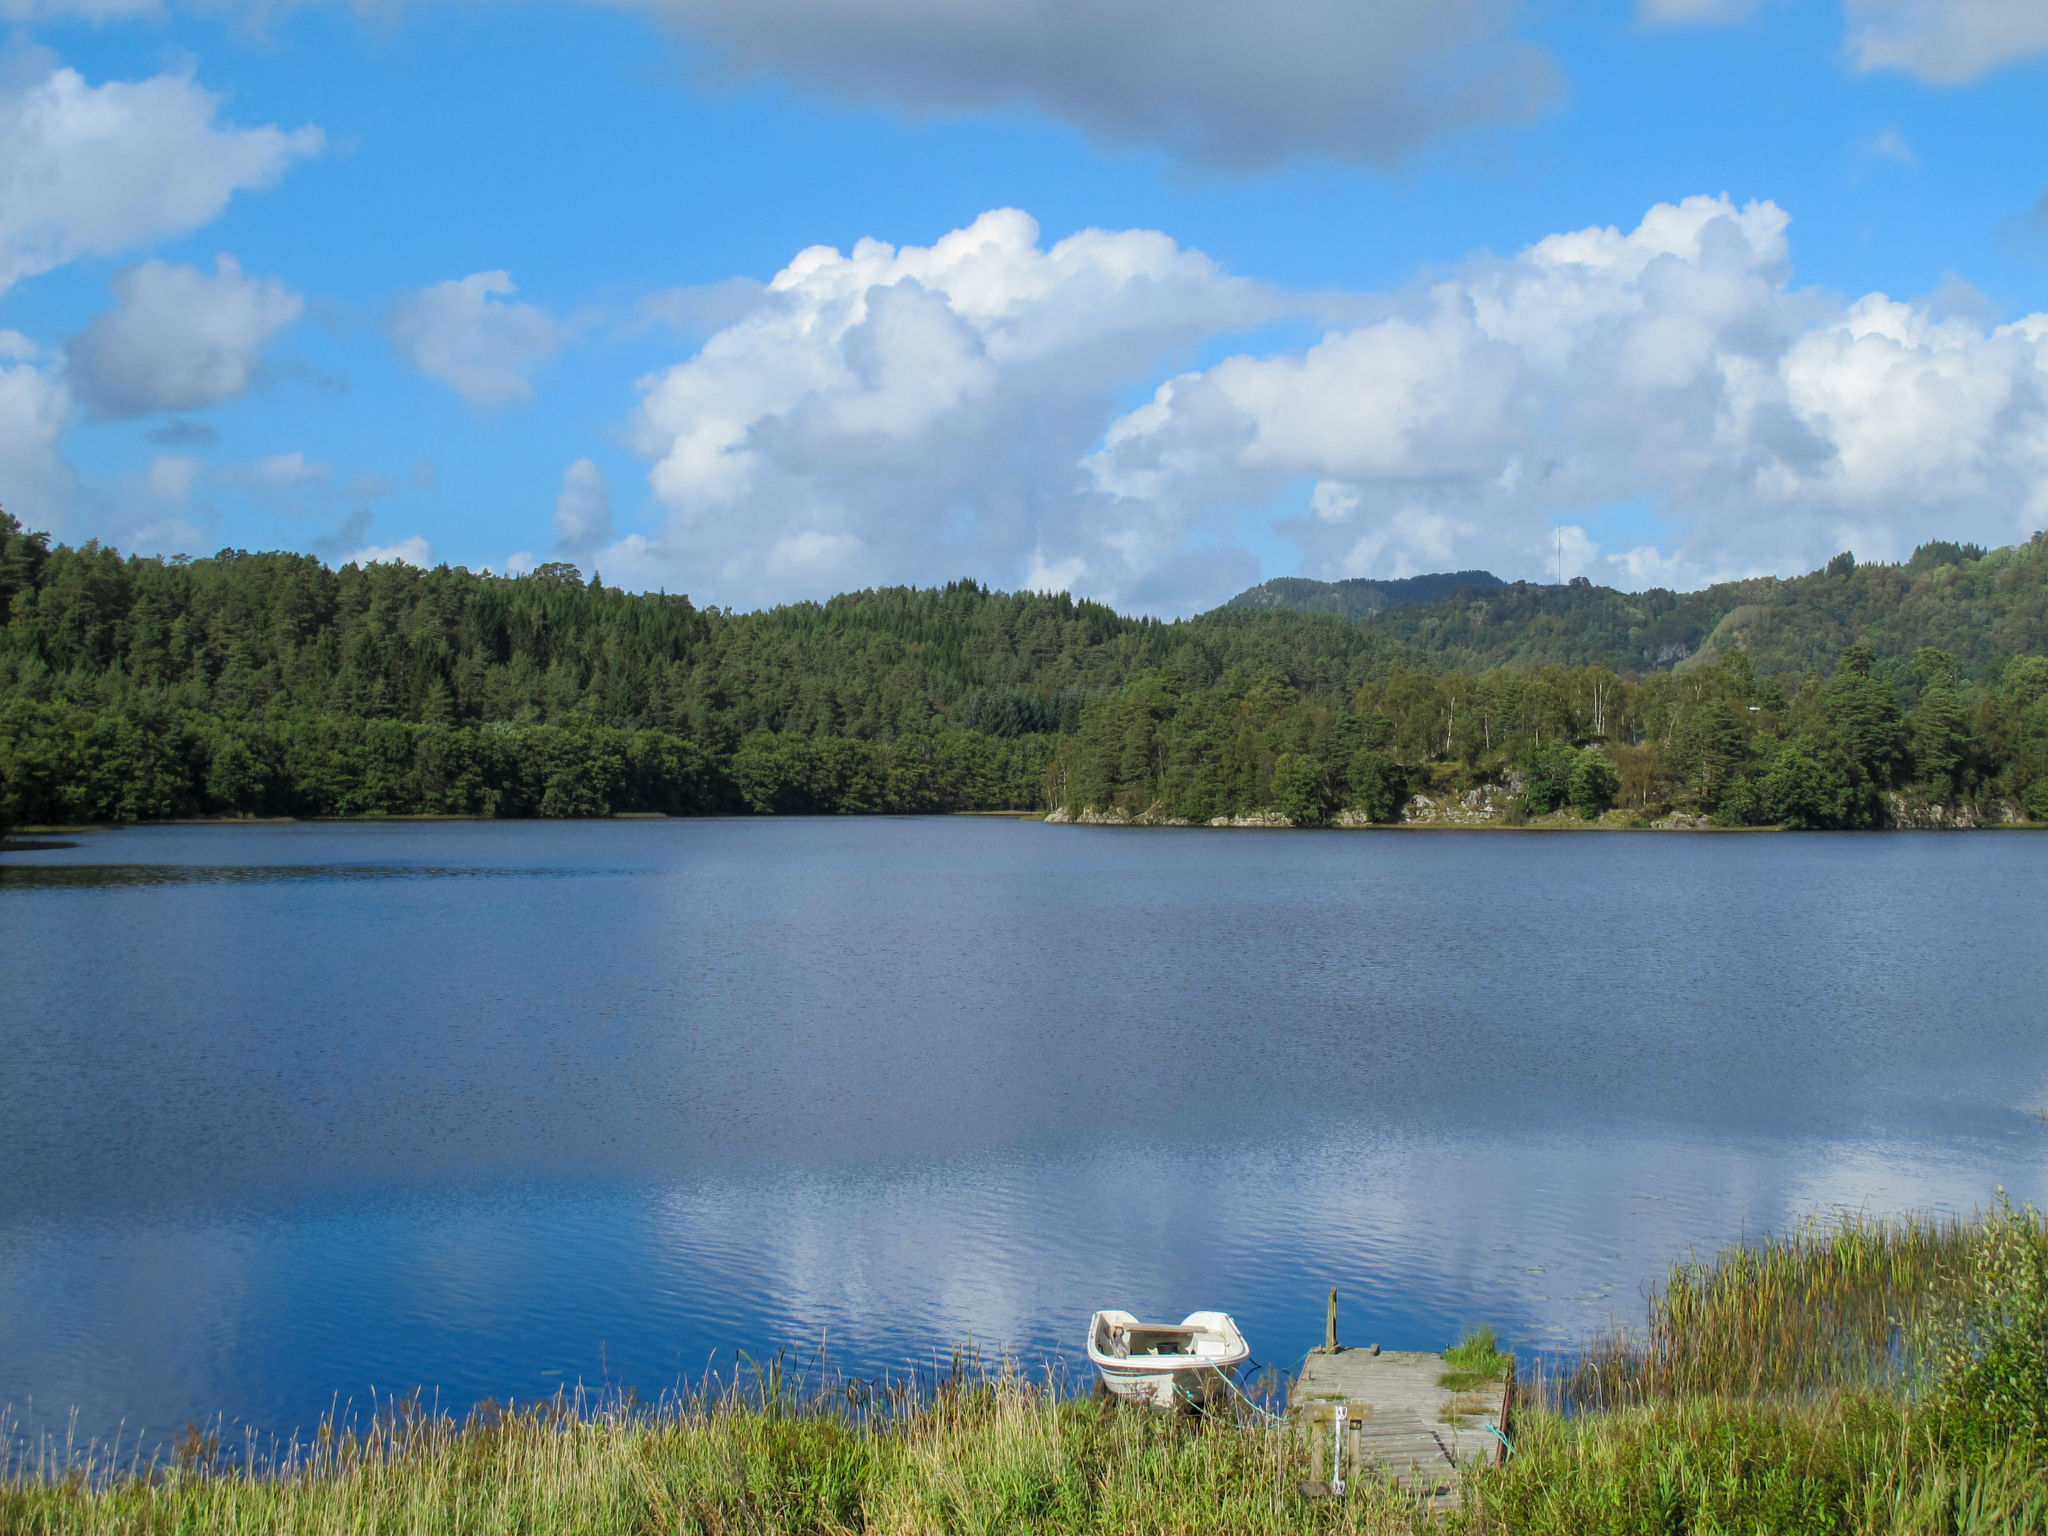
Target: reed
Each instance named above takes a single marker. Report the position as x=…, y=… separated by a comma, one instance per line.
x=1849, y=1304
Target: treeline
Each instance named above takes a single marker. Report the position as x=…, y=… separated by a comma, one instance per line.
x=240, y=634
x=1873, y=743
x=65, y=763
x=267, y=684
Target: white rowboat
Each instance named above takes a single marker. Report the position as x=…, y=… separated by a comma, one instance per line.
x=1182, y=1364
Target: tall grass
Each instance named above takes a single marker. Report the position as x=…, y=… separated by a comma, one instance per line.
x=1838, y=1464
x=1848, y=1304
x=977, y=1452
x=1851, y=1379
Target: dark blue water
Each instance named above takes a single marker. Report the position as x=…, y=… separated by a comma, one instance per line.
x=291, y=1113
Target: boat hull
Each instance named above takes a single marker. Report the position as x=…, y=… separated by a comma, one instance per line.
x=1166, y=1389
x=1185, y=1365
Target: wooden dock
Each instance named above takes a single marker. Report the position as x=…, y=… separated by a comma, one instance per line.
x=1397, y=1420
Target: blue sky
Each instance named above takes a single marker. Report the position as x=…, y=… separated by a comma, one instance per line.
x=1168, y=297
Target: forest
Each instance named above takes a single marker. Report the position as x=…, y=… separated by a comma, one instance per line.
x=136, y=688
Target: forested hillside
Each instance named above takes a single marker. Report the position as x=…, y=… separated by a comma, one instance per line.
x=267, y=684
x=1981, y=608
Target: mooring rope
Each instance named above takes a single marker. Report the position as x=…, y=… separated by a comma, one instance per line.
x=1271, y=1418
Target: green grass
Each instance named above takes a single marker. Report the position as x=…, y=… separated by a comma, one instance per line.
x=1474, y=1360
x=1859, y=1379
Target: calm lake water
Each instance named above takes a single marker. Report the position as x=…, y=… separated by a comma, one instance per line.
x=291, y=1113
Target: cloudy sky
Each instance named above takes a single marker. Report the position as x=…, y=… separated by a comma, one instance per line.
x=1147, y=299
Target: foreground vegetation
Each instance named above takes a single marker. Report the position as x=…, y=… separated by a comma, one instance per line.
x=268, y=685
x=1864, y=1378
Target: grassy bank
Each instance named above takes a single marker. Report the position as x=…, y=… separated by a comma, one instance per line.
x=1863, y=1377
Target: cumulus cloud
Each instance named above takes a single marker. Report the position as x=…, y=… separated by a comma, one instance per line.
x=178, y=338
x=583, y=510
x=95, y=170
x=471, y=335
x=1671, y=364
x=1216, y=79
x=1945, y=41
x=910, y=414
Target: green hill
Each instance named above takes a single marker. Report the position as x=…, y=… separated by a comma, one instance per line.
x=1360, y=597
x=1981, y=608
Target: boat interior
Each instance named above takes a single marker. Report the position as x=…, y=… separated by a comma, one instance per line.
x=1125, y=1341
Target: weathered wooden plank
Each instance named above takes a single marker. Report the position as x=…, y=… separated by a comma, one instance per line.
x=1399, y=1420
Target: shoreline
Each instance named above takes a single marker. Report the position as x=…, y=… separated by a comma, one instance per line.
x=32, y=837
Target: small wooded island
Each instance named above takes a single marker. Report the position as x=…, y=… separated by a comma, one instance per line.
x=1862, y=695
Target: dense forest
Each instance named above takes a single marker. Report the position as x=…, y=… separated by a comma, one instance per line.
x=136, y=688
x=1875, y=742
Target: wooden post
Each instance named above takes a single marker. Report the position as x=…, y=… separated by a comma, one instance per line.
x=1330, y=1344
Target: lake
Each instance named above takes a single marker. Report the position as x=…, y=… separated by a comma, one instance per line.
x=292, y=1113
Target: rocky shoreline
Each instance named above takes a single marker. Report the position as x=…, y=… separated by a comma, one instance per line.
x=1487, y=806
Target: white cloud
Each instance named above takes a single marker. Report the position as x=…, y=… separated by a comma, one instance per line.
x=414, y=551
x=1217, y=79
x=36, y=484
x=583, y=510
x=1671, y=364
x=471, y=335
x=1945, y=41
x=910, y=414
x=285, y=470
x=94, y=170
x=178, y=338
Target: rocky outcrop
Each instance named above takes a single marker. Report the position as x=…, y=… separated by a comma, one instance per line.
x=1476, y=808
x=1681, y=821
x=1911, y=814
x=1155, y=816
x=1152, y=816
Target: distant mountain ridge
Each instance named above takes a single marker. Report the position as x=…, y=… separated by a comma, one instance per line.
x=1361, y=597
x=1982, y=607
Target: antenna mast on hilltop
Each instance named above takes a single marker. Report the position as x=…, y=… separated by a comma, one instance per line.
x=1560, y=554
